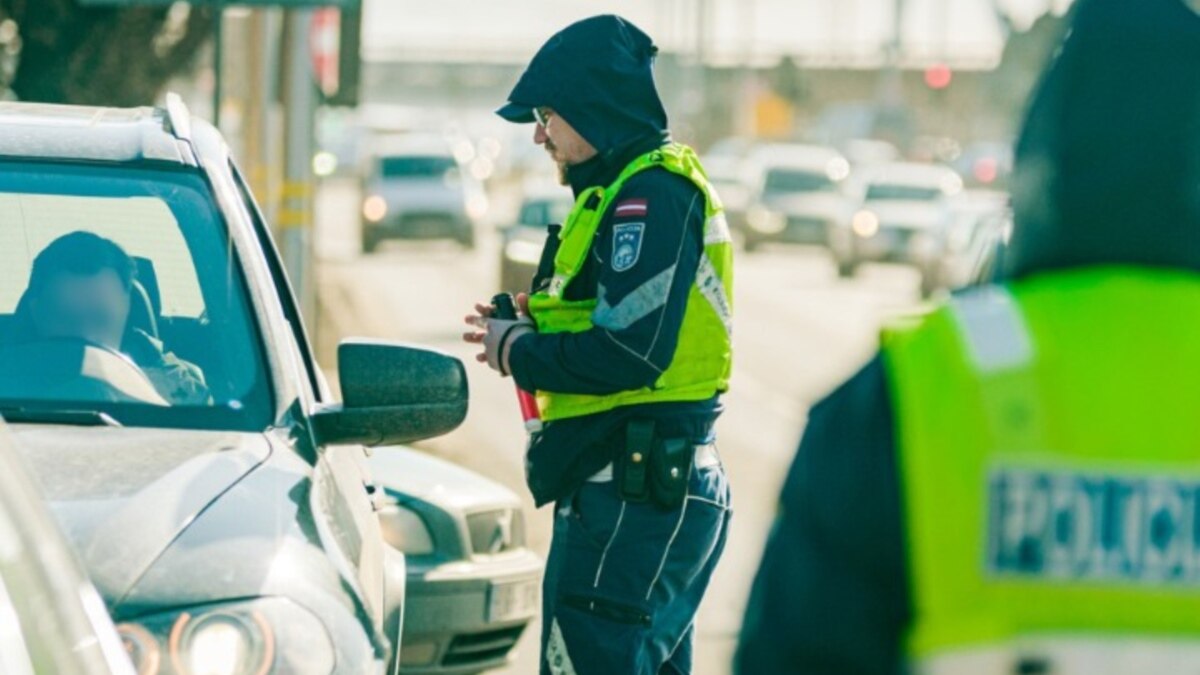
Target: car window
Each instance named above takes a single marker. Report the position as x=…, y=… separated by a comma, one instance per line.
x=416, y=166
x=785, y=181
x=144, y=226
x=915, y=193
x=115, y=283
x=545, y=211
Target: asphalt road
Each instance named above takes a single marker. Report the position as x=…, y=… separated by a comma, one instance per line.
x=799, y=331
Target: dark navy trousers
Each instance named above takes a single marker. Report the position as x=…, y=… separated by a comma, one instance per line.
x=624, y=580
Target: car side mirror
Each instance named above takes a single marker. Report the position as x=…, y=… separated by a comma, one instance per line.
x=393, y=394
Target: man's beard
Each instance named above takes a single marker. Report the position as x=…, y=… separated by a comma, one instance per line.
x=561, y=166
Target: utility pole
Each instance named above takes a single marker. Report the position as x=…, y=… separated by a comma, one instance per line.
x=295, y=217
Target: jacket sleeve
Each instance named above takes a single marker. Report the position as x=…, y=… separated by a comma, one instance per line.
x=831, y=594
x=642, y=291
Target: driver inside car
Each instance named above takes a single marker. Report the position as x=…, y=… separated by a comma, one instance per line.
x=81, y=287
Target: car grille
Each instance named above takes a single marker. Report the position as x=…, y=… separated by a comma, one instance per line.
x=482, y=647
x=806, y=228
x=496, y=531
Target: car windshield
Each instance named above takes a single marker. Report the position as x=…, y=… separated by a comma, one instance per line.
x=542, y=212
x=115, y=284
x=907, y=193
x=412, y=166
x=781, y=181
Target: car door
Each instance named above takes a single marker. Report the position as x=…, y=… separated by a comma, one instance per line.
x=340, y=500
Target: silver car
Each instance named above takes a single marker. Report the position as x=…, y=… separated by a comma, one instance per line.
x=52, y=620
x=415, y=188
x=796, y=195
x=473, y=585
x=901, y=217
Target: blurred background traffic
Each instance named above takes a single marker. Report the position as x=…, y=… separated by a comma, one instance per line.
x=862, y=149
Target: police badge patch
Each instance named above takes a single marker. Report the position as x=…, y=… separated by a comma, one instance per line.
x=627, y=245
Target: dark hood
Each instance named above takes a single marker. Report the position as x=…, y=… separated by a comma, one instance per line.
x=598, y=75
x=1108, y=163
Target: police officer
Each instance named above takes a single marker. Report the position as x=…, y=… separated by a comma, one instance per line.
x=1013, y=486
x=626, y=340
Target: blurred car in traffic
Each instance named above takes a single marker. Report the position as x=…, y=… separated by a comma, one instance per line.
x=52, y=620
x=414, y=187
x=796, y=195
x=185, y=436
x=521, y=243
x=901, y=216
x=473, y=584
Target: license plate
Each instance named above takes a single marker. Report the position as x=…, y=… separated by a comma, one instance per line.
x=514, y=600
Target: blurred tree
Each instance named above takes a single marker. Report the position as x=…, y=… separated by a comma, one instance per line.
x=120, y=56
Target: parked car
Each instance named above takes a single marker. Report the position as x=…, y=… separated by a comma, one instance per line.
x=473, y=584
x=796, y=195
x=521, y=243
x=217, y=494
x=415, y=188
x=901, y=215
x=53, y=619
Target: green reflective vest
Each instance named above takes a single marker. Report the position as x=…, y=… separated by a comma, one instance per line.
x=703, y=358
x=1049, y=442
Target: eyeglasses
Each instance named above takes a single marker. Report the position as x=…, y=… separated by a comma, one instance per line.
x=542, y=116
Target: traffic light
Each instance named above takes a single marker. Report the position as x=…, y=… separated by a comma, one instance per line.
x=337, y=63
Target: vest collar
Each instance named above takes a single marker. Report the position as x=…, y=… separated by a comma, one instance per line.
x=603, y=169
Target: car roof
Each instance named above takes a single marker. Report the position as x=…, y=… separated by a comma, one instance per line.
x=793, y=156
x=411, y=145
x=87, y=133
x=542, y=191
x=911, y=173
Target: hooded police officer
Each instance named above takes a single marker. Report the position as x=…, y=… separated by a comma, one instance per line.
x=1011, y=487
x=625, y=338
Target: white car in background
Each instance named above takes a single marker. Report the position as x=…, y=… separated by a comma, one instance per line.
x=415, y=187
x=522, y=242
x=901, y=216
x=473, y=583
x=796, y=195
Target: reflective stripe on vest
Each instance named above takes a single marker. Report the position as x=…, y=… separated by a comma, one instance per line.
x=1049, y=447
x=703, y=357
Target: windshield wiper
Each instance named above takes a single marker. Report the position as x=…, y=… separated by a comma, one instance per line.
x=83, y=418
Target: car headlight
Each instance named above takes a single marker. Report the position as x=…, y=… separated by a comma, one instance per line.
x=477, y=206
x=766, y=221
x=270, y=635
x=405, y=530
x=375, y=208
x=865, y=224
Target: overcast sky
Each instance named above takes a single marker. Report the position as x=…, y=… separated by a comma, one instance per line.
x=515, y=28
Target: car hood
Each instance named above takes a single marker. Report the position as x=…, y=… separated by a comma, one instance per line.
x=124, y=495
x=417, y=474
x=907, y=214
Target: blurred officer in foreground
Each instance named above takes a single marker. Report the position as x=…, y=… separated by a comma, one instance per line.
x=626, y=340
x=1013, y=485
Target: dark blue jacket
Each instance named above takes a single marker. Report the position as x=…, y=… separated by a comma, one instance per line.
x=596, y=74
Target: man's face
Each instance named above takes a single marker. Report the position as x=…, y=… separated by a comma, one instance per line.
x=565, y=146
x=92, y=307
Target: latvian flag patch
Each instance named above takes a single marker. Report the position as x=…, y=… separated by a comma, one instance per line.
x=631, y=208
